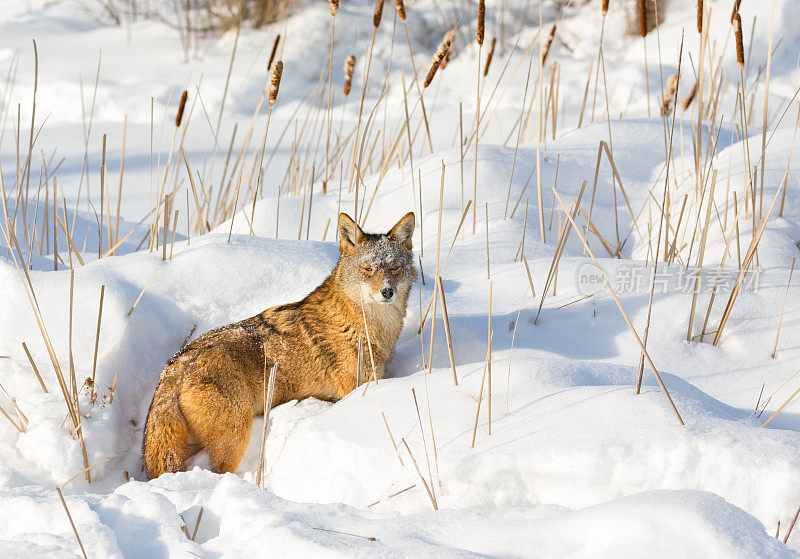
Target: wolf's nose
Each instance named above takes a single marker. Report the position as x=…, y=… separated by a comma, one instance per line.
x=387, y=292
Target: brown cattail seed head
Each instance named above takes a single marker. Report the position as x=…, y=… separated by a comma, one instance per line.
x=669, y=94
x=689, y=98
x=735, y=10
x=438, y=56
x=274, y=50
x=275, y=82
x=377, y=14
x=181, y=108
x=642, y=17
x=481, y=21
x=737, y=30
x=334, y=6
x=489, y=57
x=401, y=10
x=548, y=44
x=605, y=7
x=349, y=67
x=700, y=10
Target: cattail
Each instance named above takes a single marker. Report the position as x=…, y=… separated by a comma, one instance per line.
x=737, y=30
x=642, y=18
x=689, y=98
x=489, y=57
x=444, y=46
x=445, y=60
x=699, y=16
x=181, y=107
x=275, y=82
x=669, y=95
x=735, y=10
x=349, y=67
x=605, y=7
x=548, y=44
x=401, y=10
x=334, y=6
x=481, y=21
x=377, y=14
x=274, y=50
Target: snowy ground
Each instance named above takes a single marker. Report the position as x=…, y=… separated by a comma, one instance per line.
x=573, y=462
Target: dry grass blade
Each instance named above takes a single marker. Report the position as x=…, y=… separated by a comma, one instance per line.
x=35, y=369
x=440, y=286
x=142, y=292
x=421, y=477
x=391, y=438
x=74, y=529
x=621, y=309
x=548, y=44
x=789, y=531
x=783, y=308
x=97, y=335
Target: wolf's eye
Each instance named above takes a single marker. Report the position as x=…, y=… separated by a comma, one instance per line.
x=395, y=268
x=366, y=269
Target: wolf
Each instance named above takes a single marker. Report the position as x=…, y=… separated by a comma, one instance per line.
x=210, y=391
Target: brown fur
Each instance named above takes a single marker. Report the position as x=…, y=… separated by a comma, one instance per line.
x=211, y=390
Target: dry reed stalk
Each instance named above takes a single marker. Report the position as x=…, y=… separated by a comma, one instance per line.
x=562, y=242
x=489, y=367
x=721, y=267
x=586, y=92
x=391, y=438
x=199, y=218
x=703, y=239
x=789, y=531
x=274, y=51
x=488, y=268
x=375, y=23
x=70, y=243
x=269, y=389
x=174, y=228
x=421, y=477
x=97, y=335
x=334, y=7
x=422, y=433
x=519, y=136
x=480, y=392
x=69, y=516
x=621, y=309
x=748, y=258
x=446, y=318
x=121, y=170
x=548, y=44
x=489, y=57
x=530, y=276
x=35, y=369
x=783, y=308
x=766, y=109
x=142, y=292
x=10, y=237
x=780, y=409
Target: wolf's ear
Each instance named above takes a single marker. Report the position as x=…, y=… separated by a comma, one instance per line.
x=349, y=234
x=403, y=230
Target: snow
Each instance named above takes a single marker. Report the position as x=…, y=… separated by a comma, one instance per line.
x=574, y=462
